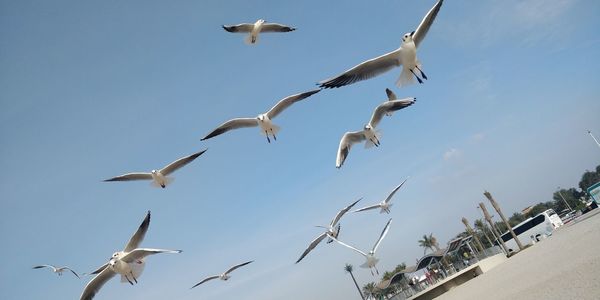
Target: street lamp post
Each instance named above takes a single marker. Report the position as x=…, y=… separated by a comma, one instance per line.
x=497, y=208
x=595, y=140
x=563, y=198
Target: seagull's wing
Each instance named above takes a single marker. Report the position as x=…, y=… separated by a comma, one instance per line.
x=100, y=269
x=421, y=31
x=312, y=245
x=140, y=253
x=205, y=280
x=236, y=266
x=275, y=27
x=339, y=215
x=74, y=273
x=349, y=139
x=131, y=176
x=288, y=101
x=365, y=70
x=243, y=27
x=390, y=94
x=45, y=266
x=232, y=124
x=383, y=233
x=96, y=284
x=174, y=166
x=389, y=197
x=367, y=208
x=389, y=106
x=137, y=238
x=344, y=244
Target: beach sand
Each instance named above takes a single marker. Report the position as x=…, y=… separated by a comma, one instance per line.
x=564, y=266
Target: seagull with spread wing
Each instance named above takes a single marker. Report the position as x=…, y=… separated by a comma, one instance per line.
x=57, y=270
x=405, y=56
x=128, y=263
x=372, y=261
x=263, y=120
x=332, y=231
x=253, y=29
x=369, y=133
x=385, y=204
x=225, y=276
x=159, y=177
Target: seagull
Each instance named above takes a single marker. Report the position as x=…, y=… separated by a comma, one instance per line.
x=332, y=230
x=254, y=29
x=57, y=270
x=385, y=204
x=159, y=177
x=406, y=56
x=128, y=263
x=372, y=261
x=225, y=276
x=262, y=120
x=369, y=133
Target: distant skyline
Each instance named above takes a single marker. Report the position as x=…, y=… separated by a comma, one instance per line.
x=90, y=90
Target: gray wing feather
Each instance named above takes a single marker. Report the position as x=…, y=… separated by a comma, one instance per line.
x=232, y=124
x=383, y=233
x=346, y=143
x=137, y=238
x=389, y=197
x=312, y=245
x=140, y=253
x=390, y=94
x=174, y=166
x=243, y=27
x=205, y=280
x=74, y=273
x=237, y=266
x=365, y=70
x=346, y=245
x=367, y=208
x=275, y=27
x=131, y=176
x=100, y=269
x=389, y=106
x=426, y=23
x=92, y=288
x=288, y=101
x=339, y=215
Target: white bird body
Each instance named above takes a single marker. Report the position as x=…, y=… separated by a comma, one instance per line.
x=159, y=178
x=332, y=230
x=370, y=259
x=386, y=204
x=264, y=120
x=254, y=29
x=129, y=263
x=369, y=133
x=405, y=56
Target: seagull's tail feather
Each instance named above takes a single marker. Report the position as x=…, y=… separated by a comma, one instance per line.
x=370, y=144
x=168, y=180
x=406, y=78
x=251, y=39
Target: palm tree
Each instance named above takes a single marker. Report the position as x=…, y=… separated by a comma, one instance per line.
x=349, y=268
x=370, y=290
x=481, y=227
x=429, y=242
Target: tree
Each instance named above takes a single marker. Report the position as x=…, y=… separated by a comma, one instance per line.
x=515, y=219
x=483, y=230
x=349, y=268
x=589, y=178
x=429, y=242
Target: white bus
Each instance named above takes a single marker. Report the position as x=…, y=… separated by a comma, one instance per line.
x=532, y=230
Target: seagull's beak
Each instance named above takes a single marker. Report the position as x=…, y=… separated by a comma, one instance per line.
x=412, y=33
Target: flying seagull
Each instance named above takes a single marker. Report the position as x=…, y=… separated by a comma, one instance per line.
x=372, y=261
x=369, y=133
x=225, y=276
x=262, y=120
x=253, y=29
x=128, y=263
x=406, y=56
x=385, y=204
x=159, y=177
x=57, y=270
x=332, y=231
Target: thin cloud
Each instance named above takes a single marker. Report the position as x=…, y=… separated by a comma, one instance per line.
x=452, y=154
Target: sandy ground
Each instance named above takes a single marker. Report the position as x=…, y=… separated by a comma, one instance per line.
x=564, y=266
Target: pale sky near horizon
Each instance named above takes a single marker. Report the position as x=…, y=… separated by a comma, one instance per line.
x=91, y=90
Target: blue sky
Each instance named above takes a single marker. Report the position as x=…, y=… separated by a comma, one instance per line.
x=90, y=90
